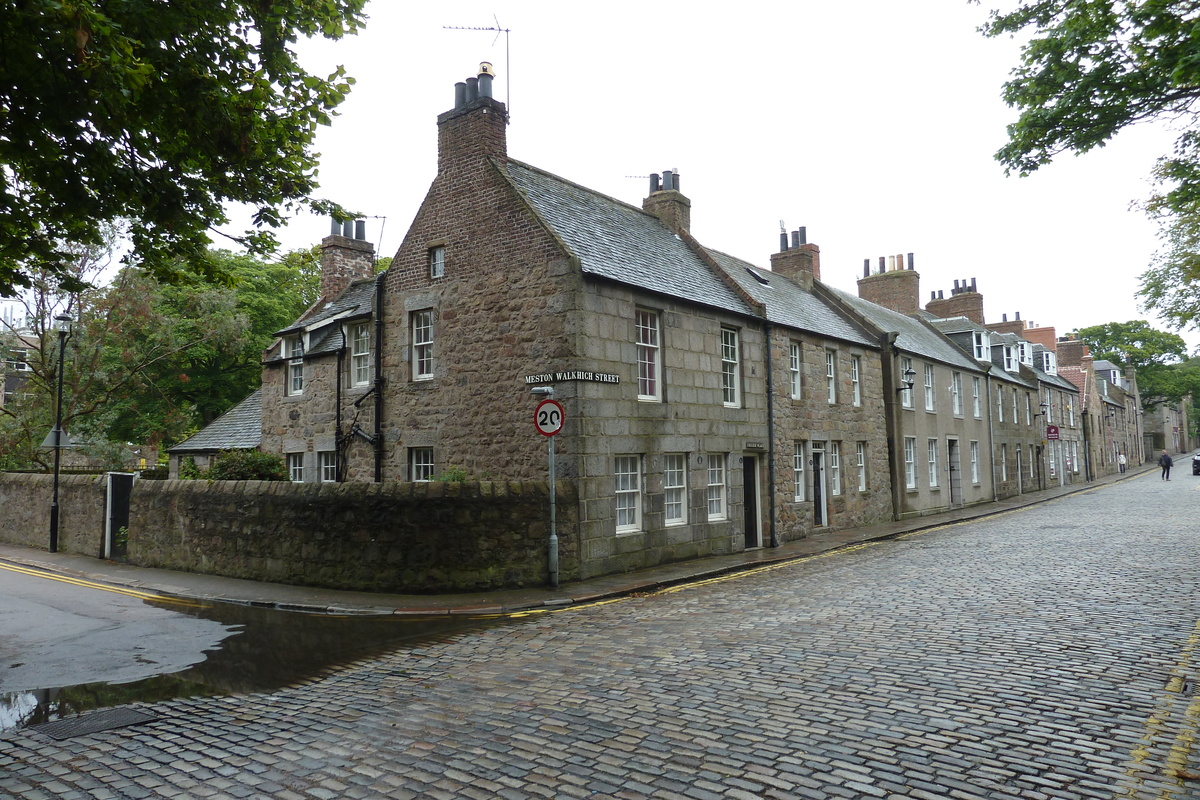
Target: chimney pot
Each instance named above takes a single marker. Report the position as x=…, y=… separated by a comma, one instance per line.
x=783, y=241
x=803, y=235
x=348, y=229
x=472, y=89
x=668, y=180
x=881, y=263
x=910, y=261
x=796, y=240
x=866, y=267
x=460, y=95
x=335, y=228
x=655, y=182
x=360, y=229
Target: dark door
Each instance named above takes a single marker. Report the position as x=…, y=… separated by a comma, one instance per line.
x=120, y=485
x=818, y=464
x=750, y=489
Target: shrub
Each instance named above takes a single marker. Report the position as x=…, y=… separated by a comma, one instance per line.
x=247, y=465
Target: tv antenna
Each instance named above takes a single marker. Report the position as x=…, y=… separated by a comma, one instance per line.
x=507, y=60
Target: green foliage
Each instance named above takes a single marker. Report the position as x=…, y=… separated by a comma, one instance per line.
x=1090, y=69
x=1171, y=286
x=452, y=474
x=1156, y=356
x=188, y=471
x=162, y=113
x=247, y=465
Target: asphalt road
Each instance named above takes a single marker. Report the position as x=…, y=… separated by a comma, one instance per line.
x=1045, y=653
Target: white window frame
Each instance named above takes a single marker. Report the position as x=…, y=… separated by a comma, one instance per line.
x=931, y=448
x=930, y=394
x=1015, y=406
x=675, y=488
x=360, y=354
x=906, y=394
x=799, y=459
x=976, y=390
x=860, y=456
x=1070, y=411
x=794, y=368
x=422, y=344
x=956, y=389
x=910, y=462
x=295, y=467
x=731, y=377
x=420, y=464
x=999, y=403
x=437, y=261
x=983, y=346
x=293, y=347
x=716, y=493
x=835, y=468
x=974, y=448
x=1003, y=462
x=627, y=474
x=831, y=376
x=1010, y=358
x=649, y=354
x=1049, y=363
x=327, y=466
x=1028, y=409
x=855, y=379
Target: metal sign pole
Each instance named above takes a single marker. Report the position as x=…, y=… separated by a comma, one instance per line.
x=548, y=419
x=553, y=528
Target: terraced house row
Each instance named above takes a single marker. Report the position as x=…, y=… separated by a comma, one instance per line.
x=711, y=404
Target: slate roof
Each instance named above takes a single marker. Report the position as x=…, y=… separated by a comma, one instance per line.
x=356, y=300
x=789, y=305
x=952, y=326
x=239, y=428
x=622, y=243
x=914, y=336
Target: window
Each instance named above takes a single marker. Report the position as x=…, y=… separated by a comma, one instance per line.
x=907, y=373
x=1010, y=358
x=360, y=354
x=422, y=345
x=1014, y=399
x=1003, y=462
x=675, y=488
x=293, y=350
x=932, y=449
x=1070, y=411
x=835, y=467
x=794, y=368
x=831, y=375
x=1028, y=410
x=956, y=393
x=327, y=459
x=976, y=405
x=649, y=387
x=437, y=262
x=1049, y=363
x=629, y=493
x=1025, y=353
x=983, y=346
x=730, y=377
x=974, y=462
x=1000, y=404
x=930, y=398
x=910, y=462
x=420, y=464
x=860, y=456
x=295, y=466
x=798, y=462
x=716, y=487
x=855, y=383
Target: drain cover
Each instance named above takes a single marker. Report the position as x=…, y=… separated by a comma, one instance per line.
x=96, y=722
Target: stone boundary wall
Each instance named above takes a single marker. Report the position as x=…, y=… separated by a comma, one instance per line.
x=390, y=537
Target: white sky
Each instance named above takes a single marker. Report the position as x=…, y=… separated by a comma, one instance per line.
x=870, y=123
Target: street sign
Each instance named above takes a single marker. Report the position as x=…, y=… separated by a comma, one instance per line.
x=548, y=417
x=1051, y=431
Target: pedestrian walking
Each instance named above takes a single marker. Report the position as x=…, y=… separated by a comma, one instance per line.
x=1165, y=462
x=1121, y=462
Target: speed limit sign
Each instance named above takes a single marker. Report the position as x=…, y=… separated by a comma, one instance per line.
x=548, y=417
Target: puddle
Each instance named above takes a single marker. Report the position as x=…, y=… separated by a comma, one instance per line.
x=269, y=650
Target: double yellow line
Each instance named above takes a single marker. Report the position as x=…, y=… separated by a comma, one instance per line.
x=50, y=576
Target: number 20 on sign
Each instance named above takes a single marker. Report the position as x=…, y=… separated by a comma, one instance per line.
x=548, y=417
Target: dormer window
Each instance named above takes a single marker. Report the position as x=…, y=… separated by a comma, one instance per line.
x=293, y=351
x=1025, y=353
x=983, y=346
x=1049, y=363
x=1010, y=358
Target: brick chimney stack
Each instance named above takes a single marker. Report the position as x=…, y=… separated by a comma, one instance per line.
x=476, y=127
x=667, y=203
x=1006, y=325
x=964, y=301
x=893, y=286
x=346, y=256
x=801, y=262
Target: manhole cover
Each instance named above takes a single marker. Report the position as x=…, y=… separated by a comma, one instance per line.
x=106, y=720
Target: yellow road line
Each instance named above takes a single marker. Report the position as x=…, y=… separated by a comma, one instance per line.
x=158, y=598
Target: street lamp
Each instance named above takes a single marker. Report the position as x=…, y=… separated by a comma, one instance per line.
x=56, y=436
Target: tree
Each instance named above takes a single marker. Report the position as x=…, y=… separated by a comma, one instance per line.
x=160, y=113
x=1157, y=357
x=1092, y=68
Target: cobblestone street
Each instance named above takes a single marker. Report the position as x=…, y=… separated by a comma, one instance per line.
x=1044, y=653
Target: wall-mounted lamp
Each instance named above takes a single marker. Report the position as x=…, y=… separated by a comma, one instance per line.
x=907, y=380
x=1042, y=413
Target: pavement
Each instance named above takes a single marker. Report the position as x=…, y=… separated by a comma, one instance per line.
x=215, y=588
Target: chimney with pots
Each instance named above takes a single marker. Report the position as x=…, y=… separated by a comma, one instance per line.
x=346, y=256
x=667, y=203
x=964, y=301
x=476, y=127
x=897, y=288
x=800, y=262
x=1006, y=325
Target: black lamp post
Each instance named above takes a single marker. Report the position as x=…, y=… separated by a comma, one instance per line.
x=64, y=331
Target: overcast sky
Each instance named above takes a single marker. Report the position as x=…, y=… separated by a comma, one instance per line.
x=873, y=124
